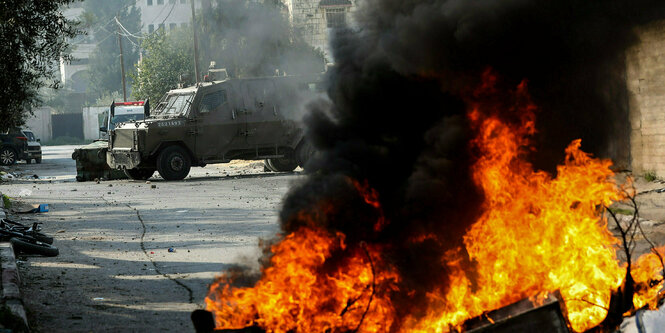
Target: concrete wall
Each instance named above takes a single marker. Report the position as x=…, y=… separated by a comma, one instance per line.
x=645, y=75
x=91, y=116
x=40, y=123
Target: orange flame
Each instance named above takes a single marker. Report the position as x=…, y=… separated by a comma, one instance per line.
x=298, y=293
x=536, y=234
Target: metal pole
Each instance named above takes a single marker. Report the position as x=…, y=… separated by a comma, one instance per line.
x=196, y=44
x=122, y=68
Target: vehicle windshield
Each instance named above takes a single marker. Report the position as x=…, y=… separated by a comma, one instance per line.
x=121, y=118
x=174, y=105
x=29, y=135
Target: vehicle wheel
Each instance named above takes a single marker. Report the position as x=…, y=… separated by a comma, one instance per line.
x=38, y=160
x=7, y=156
x=28, y=161
x=29, y=247
x=173, y=163
x=139, y=174
x=284, y=164
x=267, y=167
x=304, y=152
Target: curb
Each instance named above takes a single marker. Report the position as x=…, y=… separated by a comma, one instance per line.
x=11, y=294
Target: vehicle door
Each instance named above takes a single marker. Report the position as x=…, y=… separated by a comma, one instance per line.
x=216, y=126
x=262, y=120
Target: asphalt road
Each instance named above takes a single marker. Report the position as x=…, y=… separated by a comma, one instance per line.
x=115, y=271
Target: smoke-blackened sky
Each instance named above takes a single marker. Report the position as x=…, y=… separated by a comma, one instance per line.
x=397, y=118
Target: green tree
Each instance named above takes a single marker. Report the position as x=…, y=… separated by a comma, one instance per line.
x=105, y=74
x=247, y=38
x=251, y=38
x=167, y=56
x=33, y=36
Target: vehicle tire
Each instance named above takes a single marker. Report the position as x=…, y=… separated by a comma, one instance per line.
x=41, y=237
x=38, y=160
x=28, y=161
x=139, y=174
x=22, y=228
x=284, y=164
x=304, y=152
x=26, y=246
x=267, y=167
x=7, y=156
x=173, y=163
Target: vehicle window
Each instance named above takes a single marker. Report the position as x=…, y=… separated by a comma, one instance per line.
x=259, y=93
x=29, y=135
x=122, y=118
x=212, y=101
x=174, y=105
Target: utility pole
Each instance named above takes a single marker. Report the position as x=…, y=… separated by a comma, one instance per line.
x=122, y=68
x=196, y=44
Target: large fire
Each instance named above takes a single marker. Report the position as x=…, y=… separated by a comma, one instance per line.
x=537, y=233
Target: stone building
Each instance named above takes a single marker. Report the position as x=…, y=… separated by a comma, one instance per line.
x=645, y=80
x=82, y=47
x=314, y=20
x=166, y=14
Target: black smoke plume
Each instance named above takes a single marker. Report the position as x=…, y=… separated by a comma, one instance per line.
x=397, y=118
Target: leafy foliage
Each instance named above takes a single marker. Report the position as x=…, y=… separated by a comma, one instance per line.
x=105, y=74
x=167, y=57
x=248, y=38
x=650, y=175
x=33, y=36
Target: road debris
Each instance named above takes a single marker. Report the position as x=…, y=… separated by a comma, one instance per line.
x=41, y=208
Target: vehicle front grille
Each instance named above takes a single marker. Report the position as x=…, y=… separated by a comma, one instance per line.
x=123, y=138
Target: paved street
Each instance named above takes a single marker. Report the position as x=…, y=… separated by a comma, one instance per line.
x=115, y=272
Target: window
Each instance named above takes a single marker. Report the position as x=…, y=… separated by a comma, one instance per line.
x=335, y=17
x=161, y=26
x=174, y=105
x=160, y=2
x=212, y=101
x=149, y=2
x=183, y=1
x=172, y=26
x=171, y=1
x=151, y=28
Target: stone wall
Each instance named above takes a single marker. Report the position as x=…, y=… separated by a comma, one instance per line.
x=645, y=79
x=308, y=19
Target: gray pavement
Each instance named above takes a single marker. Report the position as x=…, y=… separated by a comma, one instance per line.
x=115, y=271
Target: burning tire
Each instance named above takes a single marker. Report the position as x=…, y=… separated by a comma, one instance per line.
x=28, y=247
x=139, y=174
x=7, y=156
x=174, y=163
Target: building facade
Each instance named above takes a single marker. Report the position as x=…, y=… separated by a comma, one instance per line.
x=167, y=14
x=82, y=47
x=645, y=80
x=315, y=20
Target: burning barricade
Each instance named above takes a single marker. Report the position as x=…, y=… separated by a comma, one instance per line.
x=431, y=208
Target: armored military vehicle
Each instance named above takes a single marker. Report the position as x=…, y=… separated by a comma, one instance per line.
x=91, y=159
x=215, y=122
